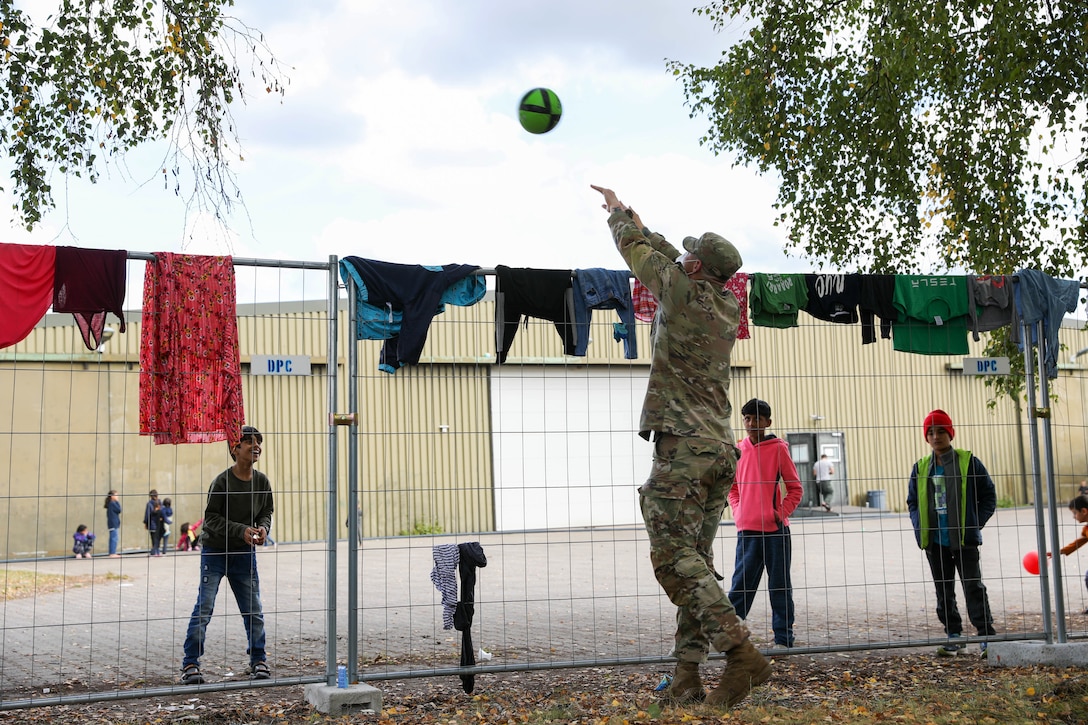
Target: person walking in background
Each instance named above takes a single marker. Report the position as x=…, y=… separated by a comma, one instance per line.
x=950, y=498
x=762, y=515
x=1079, y=507
x=687, y=412
x=822, y=472
x=113, y=521
x=153, y=521
x=82, y=542
x=167, y=521
x=237, y=519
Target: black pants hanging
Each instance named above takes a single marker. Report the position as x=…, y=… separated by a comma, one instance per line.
x=471, y=557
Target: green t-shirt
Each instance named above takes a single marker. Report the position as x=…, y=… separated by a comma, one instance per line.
x=776, y=299
x=932, y=314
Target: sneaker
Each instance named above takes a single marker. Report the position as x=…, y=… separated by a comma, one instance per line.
x=950, y=648
x=190, y=675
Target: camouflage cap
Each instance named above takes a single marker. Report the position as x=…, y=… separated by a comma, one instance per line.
x=720, y=258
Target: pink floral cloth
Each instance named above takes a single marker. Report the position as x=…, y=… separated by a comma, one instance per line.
x=190, y=373
x=738, y=285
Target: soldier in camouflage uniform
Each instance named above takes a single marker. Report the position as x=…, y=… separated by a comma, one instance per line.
x=688, y=412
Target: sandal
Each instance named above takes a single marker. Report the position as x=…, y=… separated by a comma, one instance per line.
x=259, y=671
x=190, y=675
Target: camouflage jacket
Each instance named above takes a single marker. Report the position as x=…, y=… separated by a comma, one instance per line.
x=693, y=336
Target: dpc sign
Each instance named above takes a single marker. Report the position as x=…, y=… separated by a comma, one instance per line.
x=985, y=366
x=279, y=365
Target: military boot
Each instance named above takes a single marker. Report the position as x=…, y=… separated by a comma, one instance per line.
x=745, y=668
x=686, y=687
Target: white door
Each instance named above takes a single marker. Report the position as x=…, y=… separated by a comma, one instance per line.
x=566, y=446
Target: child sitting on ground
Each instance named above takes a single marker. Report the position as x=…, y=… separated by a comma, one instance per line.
x=83, y=542
x=189, y=539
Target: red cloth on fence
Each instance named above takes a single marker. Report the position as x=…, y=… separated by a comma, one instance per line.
x=738, y=285
x=190, y=373
x=89, y=283
x=26, y=288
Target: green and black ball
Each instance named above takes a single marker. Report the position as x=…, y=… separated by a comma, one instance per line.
x=539, y=110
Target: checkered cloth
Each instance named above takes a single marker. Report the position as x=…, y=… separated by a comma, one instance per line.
x=645, y=304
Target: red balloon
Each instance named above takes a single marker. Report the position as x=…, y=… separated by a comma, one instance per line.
x=1031, y=562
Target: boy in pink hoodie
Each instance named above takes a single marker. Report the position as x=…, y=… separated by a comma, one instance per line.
x=762, y=513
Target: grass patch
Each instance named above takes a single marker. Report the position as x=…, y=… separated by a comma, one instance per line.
x=422, y=528
x=19, y=584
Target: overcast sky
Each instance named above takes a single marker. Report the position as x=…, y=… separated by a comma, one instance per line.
x=398, y=140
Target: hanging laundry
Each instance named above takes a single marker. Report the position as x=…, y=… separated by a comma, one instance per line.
x=991, y=300
x=471, y=556
x=89, y=283
x=444, y=576
x=777, y=298
x=738, y=285
x=413, y=292
x=1041, y=298
x=26, y=288
x=190, y=374
x=833, y=297
x=932, y=314
x=644, y=302
x=544, y=293
x=876, y=299
x=603, y=289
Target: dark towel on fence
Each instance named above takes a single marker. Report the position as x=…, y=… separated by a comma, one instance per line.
x=544, y=293
x=416, y=291
x=471, y=557
x=89, y=283
x=875, y=300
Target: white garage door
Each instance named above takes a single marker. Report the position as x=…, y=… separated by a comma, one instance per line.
x=567, y=451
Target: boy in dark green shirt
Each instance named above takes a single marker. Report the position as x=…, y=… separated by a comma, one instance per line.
x=236, y=520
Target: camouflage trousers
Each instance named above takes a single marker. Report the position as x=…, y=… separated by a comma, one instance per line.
x=682, y=503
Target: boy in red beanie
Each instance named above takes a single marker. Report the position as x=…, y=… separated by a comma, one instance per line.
x=950, y=498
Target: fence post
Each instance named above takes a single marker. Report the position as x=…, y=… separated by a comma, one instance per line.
x=330, y=554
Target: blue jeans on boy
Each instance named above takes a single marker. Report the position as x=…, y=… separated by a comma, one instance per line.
x=113, y=541
x=772, y=550
x=240, y=569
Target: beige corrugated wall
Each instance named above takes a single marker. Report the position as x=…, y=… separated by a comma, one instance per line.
x=68, y=421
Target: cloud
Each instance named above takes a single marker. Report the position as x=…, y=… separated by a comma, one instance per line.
x=398, y=140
